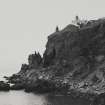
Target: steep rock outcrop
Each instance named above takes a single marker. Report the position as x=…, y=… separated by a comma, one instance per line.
x=74, y=59
x=34, y=60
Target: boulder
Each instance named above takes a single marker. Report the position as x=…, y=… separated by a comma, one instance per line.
x=17, y=86
x=4, y=86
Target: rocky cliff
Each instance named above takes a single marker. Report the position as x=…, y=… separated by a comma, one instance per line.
x=74, y=59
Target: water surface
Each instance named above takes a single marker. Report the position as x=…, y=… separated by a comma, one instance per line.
x=23, y=98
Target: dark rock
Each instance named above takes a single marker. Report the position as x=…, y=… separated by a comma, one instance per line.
x=34, y=60
x=24, y=67
x=99, y=100
x=15, y=78
x=41, y=86
x=74, y=56
x=17, y=86
x=4, y=86
x=48, y=58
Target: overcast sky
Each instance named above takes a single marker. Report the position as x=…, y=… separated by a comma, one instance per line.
x=25, y=25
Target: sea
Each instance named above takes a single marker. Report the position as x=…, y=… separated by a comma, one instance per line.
x=20, y=97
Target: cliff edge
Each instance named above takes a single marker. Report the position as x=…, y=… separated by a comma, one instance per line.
x=74, y=59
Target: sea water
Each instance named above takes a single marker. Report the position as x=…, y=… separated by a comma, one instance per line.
x=23, y=98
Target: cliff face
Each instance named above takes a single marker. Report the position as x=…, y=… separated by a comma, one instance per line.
x=74, y=56
x=80, y=50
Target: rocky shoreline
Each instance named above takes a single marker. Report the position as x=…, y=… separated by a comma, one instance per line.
x=72, y=64
x=4, y=86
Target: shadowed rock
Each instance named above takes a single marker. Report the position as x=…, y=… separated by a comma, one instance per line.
x=74, y=59
x=4, y=86
x=24, y=67
x=34, y=60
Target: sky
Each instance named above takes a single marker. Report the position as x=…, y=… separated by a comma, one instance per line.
x=26, y=24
